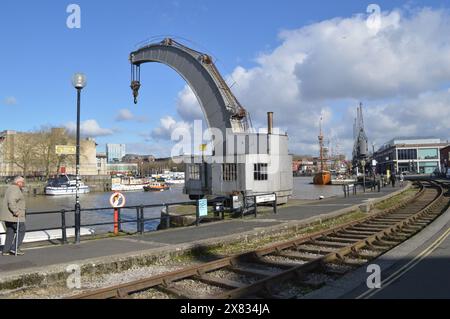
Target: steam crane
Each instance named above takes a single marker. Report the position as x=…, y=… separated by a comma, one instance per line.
x=244, y=163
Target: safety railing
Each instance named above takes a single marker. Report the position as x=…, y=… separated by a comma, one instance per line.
x=352, y=188
x=68, y=218
x=139, y=210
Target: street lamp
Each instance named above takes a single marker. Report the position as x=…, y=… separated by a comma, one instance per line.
x=79, y=81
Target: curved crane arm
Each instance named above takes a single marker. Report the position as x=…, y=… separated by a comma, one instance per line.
x=221, y=108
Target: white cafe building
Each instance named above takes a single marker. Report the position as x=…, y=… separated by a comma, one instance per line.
x=414, y=155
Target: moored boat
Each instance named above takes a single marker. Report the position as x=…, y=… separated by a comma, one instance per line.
x=174, y=181
x=156, y=187
x=64, y=185
x=128, y=184
x=323, y=177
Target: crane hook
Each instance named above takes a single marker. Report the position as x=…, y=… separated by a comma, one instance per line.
x=135, y=86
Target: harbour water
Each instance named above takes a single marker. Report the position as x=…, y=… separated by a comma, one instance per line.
x=303, y=189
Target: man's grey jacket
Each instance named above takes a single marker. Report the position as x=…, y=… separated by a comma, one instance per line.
x=13, y=204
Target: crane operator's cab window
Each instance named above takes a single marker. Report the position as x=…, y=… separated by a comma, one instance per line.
x=260, y=172
x=229, y=172
x=194, y=172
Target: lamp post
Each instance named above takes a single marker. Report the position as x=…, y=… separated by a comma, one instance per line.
x=363, y=164
x=79, y=82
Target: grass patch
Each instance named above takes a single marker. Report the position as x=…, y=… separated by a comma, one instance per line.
x=408, y=194
x=241, y=247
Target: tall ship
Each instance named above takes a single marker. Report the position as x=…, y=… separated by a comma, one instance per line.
x=323, y=177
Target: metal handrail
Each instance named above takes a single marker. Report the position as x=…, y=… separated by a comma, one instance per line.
x=140, y=220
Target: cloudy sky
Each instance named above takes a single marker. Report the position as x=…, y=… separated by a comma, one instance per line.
x=297, y=59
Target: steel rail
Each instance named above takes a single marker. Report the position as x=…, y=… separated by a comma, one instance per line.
x=340, y=251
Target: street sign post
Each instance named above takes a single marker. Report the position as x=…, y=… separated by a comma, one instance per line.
x=265, y=198
x=202, y=209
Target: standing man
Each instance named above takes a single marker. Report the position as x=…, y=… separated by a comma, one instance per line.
x=12, y=212
x=393, y=179
x=402, y=179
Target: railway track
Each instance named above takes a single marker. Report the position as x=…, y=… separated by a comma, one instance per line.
x=293, y=268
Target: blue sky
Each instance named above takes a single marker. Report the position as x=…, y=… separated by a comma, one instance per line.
x=39, y=55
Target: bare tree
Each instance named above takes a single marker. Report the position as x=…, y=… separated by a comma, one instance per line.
x=48, y=139
x=22, y=151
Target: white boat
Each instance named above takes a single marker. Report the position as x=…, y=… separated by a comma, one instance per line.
x=172, y=181
x=64, y=185
x=128, y=184
x=342, y=181
x=127, y=187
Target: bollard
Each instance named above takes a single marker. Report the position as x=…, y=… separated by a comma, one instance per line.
x=256, y=208
x=63, y=227
x=275, y=207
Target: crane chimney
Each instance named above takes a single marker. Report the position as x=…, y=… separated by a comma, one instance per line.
x=269, y=122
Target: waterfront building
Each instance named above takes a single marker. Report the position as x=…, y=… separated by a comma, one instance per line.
x=413, y=155
x=102, y=162
x=134, y=158
x=445, y=159
x=127, y=169
x=115, y=152
x=22, y=153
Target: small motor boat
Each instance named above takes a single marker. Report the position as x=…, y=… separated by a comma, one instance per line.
x=156, y=187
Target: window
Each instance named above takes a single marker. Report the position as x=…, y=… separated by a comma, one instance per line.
x=260, y=172
x=410, y=154
x=428, y=153
x=428, y=167
x=229, y=172
x=194, y=172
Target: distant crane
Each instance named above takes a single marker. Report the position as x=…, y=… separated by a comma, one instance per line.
x=360, y=147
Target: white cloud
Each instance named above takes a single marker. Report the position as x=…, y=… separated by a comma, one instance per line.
x=168, y=125
x=157, y=150
x=343, y=59
x=124, y=115
x=337, y=63
x=127, y=115
x=329, y=63
x=187, y=105
x=10, y=101
x=89, y=128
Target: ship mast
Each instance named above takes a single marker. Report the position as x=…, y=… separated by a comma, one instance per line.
x=321, y=145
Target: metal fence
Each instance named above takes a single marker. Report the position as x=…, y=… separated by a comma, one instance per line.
x=250, y=207
x=140, y=219
x=369, y=184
